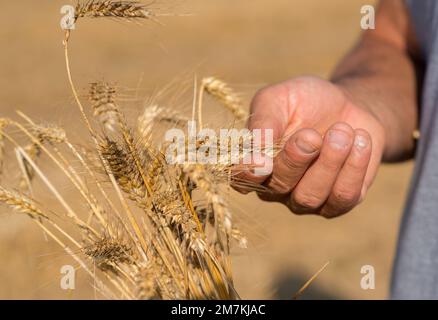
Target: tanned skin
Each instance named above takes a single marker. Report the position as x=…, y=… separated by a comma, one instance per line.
x=338, y=132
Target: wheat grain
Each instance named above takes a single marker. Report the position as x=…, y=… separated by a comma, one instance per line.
x=223, y=93
x=112, y=9
x=174, y=248
x=43, y=134
x=21, y=203
x=102, y=97
x=109, y=253
x=169, y=235
x=123, y=168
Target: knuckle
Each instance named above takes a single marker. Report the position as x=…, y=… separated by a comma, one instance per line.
x=306, y=200
x=275, y=96
x=344, y=196
x=267, y=96
x=279, y=185
x=292, y=161
x=356, y=166
x=261, y=94
x=333, y=160
x=332, y=164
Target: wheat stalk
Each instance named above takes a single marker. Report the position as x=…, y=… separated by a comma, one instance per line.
x=139, y=224
x=3, y=124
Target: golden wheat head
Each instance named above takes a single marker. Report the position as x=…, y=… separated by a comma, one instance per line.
x=112, y=9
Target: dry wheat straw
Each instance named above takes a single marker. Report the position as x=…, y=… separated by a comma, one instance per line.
x=3, y=124
x=181, y=229
x=155, y=243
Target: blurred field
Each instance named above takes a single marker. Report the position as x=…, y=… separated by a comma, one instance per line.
x=250, y=43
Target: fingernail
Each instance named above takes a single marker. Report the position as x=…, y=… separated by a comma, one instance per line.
x=339, y=139
x=305, y=146
x=360, y=142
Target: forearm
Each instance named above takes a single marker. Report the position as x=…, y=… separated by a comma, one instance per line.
x=381, y=77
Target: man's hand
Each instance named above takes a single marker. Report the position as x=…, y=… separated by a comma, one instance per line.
x=336, y=133
x=331, y=147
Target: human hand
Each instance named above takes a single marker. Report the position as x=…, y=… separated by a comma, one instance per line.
x=331, y=151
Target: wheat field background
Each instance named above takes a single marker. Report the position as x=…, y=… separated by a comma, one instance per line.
x=249, y=43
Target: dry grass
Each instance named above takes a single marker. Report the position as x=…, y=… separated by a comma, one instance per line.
x=140, y=226
x=151, y=229
x=297, y=246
